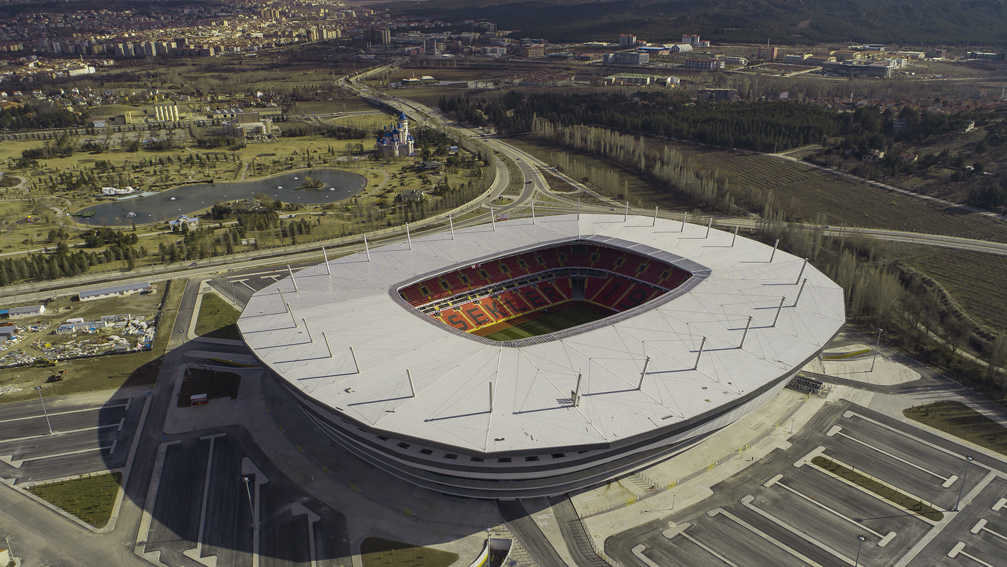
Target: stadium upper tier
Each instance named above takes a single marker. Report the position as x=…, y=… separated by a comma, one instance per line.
x=485, y=295
x=710, y=339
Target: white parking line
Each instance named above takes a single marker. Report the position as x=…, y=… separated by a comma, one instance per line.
x=884, y=539
x=981, y=527
x=875, y=495
x=638, y=550
x=67, y=412
x=947, y=481
x=849, y=413
x=747, y=503
x=710, y=550
x=67, y=432
x=763, y=535
x=959, y=549
x=679, y=529
x=196, y=553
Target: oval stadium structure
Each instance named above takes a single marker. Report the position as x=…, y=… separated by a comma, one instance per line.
x=536, y=357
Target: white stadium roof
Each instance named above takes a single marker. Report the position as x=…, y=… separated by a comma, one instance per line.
x=356, y=307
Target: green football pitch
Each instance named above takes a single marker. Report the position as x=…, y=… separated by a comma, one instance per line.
x=554, y=319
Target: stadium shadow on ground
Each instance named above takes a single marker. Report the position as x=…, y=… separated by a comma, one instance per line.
x=287, y=506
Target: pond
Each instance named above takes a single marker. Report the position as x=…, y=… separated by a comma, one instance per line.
x=335, y=185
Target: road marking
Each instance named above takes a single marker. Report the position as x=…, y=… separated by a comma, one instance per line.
x=709, y=550
x=938, y=527
x=679, y=530
x=55, y=433
x=746, y=501
x=196, y=553
x=18, y=462
x=148, y=506
x=638, y=550
x=884, y=538
x=299, y=509
x=981, y=527
x=959, y=549
x=878, y=496
x=68, y=412
x=763, y=535
x=248, y=468
x=948, y=481
x=849, y=413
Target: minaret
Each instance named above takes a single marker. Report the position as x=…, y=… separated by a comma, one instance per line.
x=403, y=126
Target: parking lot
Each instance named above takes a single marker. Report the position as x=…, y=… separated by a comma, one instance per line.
x=240, y=286
x=790, y=510
x=235, y=508
x=65, y=440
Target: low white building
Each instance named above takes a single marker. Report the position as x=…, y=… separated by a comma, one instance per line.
x=26, y=311
x=115, y=291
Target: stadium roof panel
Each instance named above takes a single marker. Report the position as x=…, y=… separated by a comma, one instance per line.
x=451, y=374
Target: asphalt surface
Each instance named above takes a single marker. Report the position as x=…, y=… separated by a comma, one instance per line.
x=778, y=513
x=85, y=438
x=530, y=535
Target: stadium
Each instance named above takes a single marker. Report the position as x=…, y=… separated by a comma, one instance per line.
x=535, y=357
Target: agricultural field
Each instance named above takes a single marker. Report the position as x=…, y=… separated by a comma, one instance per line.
x=976, y=281
x=809, y=192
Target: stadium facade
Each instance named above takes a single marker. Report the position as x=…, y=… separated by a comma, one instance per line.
x=384, y=352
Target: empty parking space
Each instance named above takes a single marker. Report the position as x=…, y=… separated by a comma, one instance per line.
x=840, y=499
x=884, y=441
x=787, y=510
x=826, y=528
x=176, y=512
x=741, y=541
x=83, y=439
x=976, y=536
x=214, y=504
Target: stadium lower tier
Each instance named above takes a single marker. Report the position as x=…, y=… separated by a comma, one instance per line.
x=611, y=292
x=622, y=264
x=548, y=471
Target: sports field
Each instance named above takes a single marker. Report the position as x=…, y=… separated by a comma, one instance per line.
x=555, y=318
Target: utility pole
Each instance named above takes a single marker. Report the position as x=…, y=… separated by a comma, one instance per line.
x=877, y=345
x=961, y=487
x=44, y=412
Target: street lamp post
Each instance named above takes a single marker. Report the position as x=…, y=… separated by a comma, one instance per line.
x=44, y=412
x=861, y=538
x=961, y=487
x=877, y=346
x=248, y=491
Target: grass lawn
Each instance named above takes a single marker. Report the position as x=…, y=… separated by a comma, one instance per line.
x=962, y=421
x=878, y=488
x=217, y=318
x=91, y=499
x=377, y=552
x=557, y=318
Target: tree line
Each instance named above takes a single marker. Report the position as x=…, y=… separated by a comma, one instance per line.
x=765, y=126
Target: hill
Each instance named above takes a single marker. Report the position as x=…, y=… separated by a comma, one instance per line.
x=781, y=21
